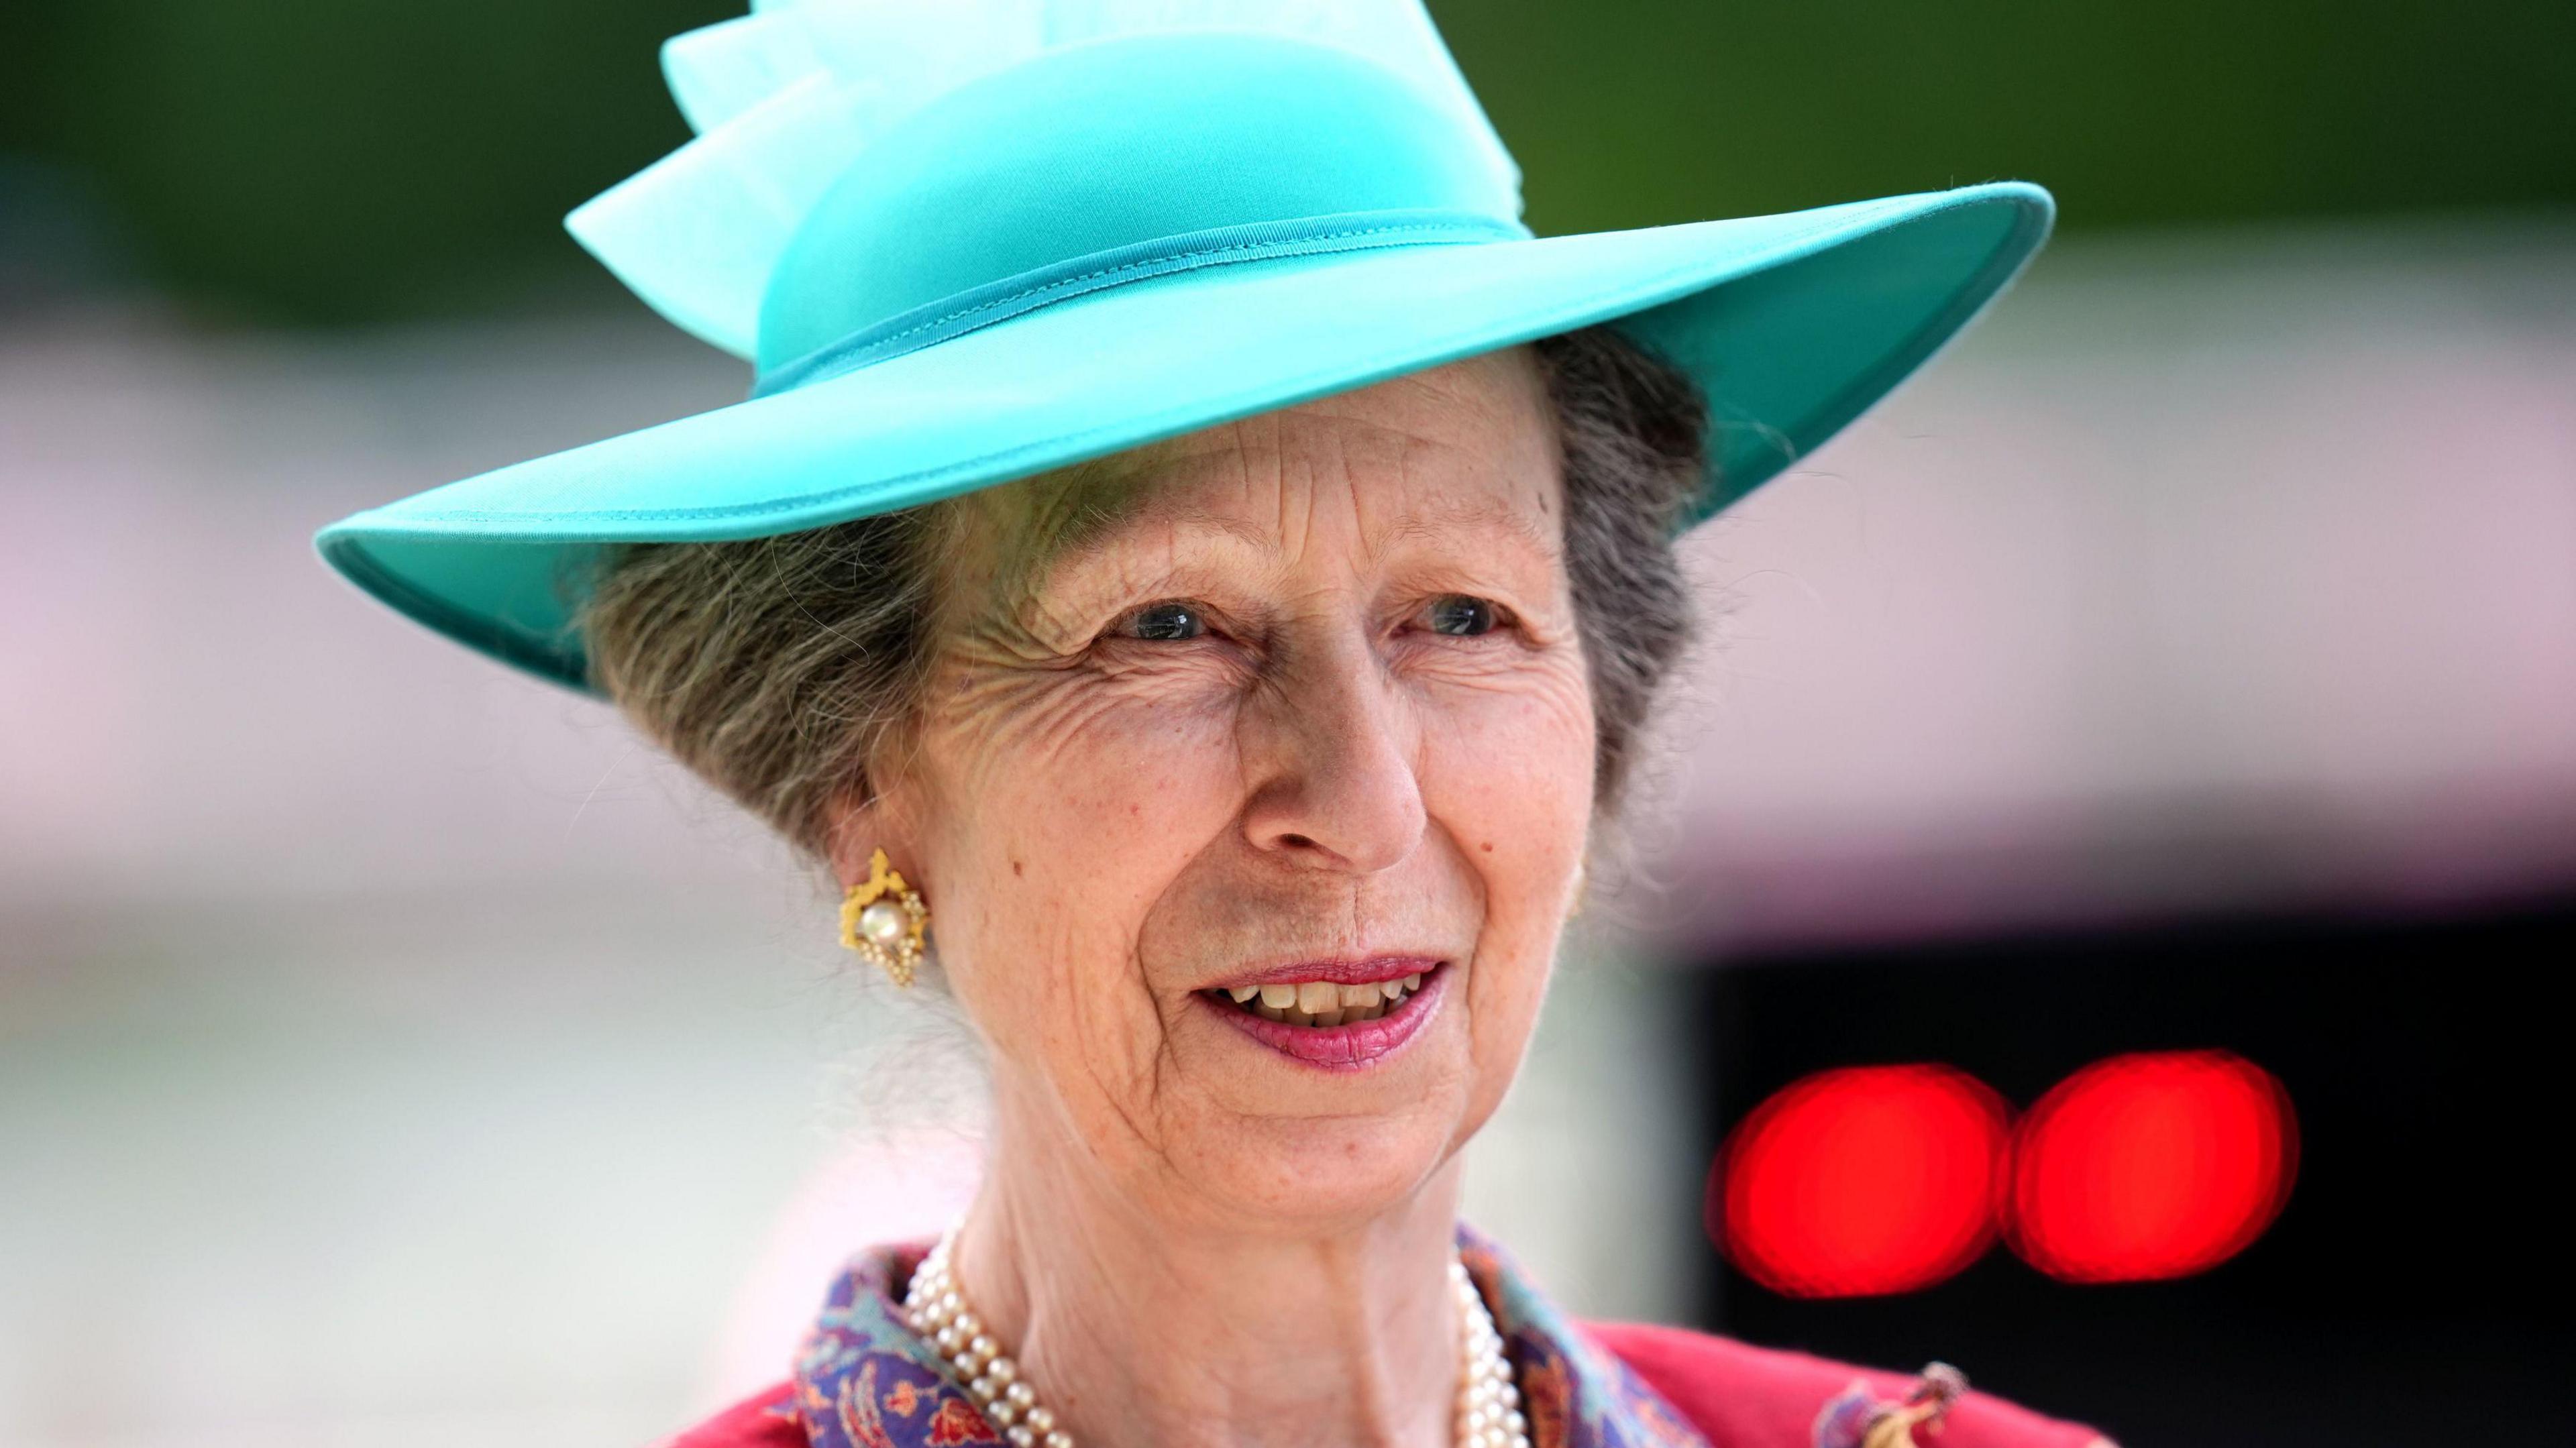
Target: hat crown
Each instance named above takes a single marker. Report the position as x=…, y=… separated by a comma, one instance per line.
x=1098, y=149
x=788, y=100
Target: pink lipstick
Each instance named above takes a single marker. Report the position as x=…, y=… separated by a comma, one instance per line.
x=1336, y=1016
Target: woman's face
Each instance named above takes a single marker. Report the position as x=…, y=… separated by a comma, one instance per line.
x=1297, y=704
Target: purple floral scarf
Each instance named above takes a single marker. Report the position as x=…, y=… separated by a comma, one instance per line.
x=864, y=1380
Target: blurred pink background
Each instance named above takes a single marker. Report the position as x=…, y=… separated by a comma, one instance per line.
x=2218, y=570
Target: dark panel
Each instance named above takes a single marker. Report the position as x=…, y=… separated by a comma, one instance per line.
x=2413, y=1290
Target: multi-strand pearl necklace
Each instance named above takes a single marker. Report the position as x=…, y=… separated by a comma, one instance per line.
x=1489, y=1407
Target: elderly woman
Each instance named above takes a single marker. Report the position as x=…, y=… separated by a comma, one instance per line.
x=1194, y=567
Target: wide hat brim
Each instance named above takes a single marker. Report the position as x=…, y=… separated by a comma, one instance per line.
x=1793, y=325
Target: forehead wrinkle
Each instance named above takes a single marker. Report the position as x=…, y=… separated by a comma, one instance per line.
x=1420, y=464
x=1086, y=536
x=1095, y=515
x=1070, y=518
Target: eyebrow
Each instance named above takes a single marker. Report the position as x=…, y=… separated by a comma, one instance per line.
x=1529, y=531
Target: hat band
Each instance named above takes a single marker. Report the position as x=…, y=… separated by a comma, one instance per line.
x=1014, y=296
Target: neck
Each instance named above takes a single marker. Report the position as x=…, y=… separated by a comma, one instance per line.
x=1139, y=1329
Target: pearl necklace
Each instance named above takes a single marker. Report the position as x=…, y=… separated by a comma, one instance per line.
x=1489, y=1414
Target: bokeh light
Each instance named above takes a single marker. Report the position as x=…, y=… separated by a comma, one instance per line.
x=2151, y=1166
x=1861, y=1181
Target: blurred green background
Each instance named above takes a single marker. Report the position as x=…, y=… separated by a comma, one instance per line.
x=335, y=161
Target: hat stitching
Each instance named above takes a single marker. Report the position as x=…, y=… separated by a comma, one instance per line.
x=835, y=359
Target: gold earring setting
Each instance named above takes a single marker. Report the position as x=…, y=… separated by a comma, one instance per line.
x=884, y=920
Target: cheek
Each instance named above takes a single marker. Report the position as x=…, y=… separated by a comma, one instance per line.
x=1508, y=774
x=1060, y=810
x=1069, y=778
x=1509, y=778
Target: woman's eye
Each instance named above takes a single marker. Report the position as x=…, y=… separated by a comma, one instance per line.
x=1461, y=616
x=1166, y=623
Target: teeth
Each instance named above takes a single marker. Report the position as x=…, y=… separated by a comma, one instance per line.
x=1321, y=1003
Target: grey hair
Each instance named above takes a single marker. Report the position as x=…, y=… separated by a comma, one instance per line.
x=776, y=668
x=1634, y=434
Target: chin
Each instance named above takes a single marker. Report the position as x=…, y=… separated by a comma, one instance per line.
x=1323, y=1172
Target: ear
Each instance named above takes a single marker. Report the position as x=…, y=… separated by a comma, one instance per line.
x=861, y=825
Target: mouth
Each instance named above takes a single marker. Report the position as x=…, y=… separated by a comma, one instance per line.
x=1340, y=1016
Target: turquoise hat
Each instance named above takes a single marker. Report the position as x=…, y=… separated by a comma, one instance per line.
x=966, y=242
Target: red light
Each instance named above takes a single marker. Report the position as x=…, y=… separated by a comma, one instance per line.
x=2151, y=1166
x=1865, y=1180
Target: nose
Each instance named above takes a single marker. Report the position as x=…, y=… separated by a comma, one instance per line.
x=1329, y=748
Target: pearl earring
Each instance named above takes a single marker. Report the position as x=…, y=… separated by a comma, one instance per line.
x=883, y=920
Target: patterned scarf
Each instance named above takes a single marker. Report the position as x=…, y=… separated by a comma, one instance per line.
x=865, y=1380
